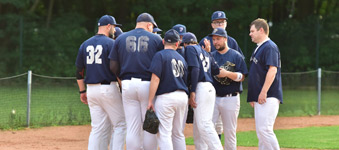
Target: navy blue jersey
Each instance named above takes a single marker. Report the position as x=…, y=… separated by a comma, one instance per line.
x=171, y=68
x=233, y=58
x=134, y=51
x=93, y=56
x=231, y=42
x=181, y=51
x=197, y=57
x=267, y=55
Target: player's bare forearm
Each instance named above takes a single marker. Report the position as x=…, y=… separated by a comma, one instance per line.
x=152, y=90
x=232, y=75
x=271, y=73
x=81, y=84
x=82, y=89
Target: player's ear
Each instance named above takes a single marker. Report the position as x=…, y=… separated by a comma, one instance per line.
x=163, y=41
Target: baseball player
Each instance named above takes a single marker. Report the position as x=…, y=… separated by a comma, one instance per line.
x=219, y=20
x=168, y=83
x=227, y=102
x=264, y=84
x=202, y=66
x=181, y=29
x=102, y=96
x=117, y=32
x=130, y=59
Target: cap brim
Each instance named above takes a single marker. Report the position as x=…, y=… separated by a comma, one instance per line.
x=216, y=35
x=220, y=18
x=118, y=25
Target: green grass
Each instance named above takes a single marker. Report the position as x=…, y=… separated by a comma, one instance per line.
x=310, y=138
x=55, y=104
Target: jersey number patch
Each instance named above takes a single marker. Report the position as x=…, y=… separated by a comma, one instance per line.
x=94, y=54
x=133, y=44
x=177, y=68
x=205, y=62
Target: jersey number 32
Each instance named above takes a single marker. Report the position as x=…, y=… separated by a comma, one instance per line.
x=94, y=54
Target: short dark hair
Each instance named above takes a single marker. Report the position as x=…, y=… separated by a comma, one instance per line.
x=261, y=23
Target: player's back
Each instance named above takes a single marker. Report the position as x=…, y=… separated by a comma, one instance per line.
x=197, y=57
x=93, y=55
x=134, y=51
x=173, y=67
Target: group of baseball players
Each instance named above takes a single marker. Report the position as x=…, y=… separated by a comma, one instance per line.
x=121, y=75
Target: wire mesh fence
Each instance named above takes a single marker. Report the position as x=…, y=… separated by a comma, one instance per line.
x=55, y=100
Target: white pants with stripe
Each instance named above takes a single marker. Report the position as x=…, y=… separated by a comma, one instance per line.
x=135, y=100
x=205, y=136
x=105, y=105
x=170, y=109
x=265, y=115
x=228, y=108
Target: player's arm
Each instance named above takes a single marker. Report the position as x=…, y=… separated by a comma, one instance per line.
x=194, y=74
x=235, y=76
x=155, y=80
x=270, y=76
x=80, y=80
x=114, y=67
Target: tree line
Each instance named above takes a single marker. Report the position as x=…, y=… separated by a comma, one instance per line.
x=44, y=36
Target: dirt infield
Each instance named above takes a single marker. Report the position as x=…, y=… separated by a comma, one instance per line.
x=75, y=137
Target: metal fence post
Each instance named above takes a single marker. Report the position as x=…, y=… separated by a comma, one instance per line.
x=29, y=87
x=319, y=91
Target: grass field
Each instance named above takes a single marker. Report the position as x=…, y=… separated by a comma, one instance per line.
x=60, y=105
x=310, y=138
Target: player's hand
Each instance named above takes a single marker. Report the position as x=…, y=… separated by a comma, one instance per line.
x=262, y=97
x=252, y=104
x=83, y=98
x=207, y=46
x=150, y=106
x=223, y=73
x=192, y=100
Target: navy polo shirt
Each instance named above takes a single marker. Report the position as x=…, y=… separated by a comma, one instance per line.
x=267, y=55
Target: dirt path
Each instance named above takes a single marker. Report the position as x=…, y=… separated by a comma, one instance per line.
x=75, y=137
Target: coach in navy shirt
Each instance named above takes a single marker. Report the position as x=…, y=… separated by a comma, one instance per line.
x=168, y=83
x=102, y=96
x=219, y=20
x=130, y=60
x=264, y=84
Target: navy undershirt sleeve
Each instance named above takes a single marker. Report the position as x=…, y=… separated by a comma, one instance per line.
x=194, y=78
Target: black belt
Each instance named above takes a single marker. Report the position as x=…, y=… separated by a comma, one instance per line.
x=142, y=79
x=228, y=95
x=105, y=82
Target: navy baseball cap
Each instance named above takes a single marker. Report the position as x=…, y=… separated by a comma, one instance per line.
x=181, y=29
x=146, y=17
x=172, y=36
x=189, y=37
x=156, y=30
x=107, y=19
x=218, y=15
x=117, y=32
x=219, y=32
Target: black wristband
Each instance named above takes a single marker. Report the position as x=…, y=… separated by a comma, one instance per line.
x=84, y=91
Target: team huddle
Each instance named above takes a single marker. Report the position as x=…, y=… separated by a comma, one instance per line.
x=121, y=75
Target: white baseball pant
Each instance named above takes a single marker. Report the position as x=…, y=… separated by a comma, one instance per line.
x=228, y=108
x=218, y=125
x=265, y=115
x=205, y=136
x=135, y=101
x=105, y=105
x=170, y=109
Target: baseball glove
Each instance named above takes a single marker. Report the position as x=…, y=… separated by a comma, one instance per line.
x=229, y=67
x=151, y=123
